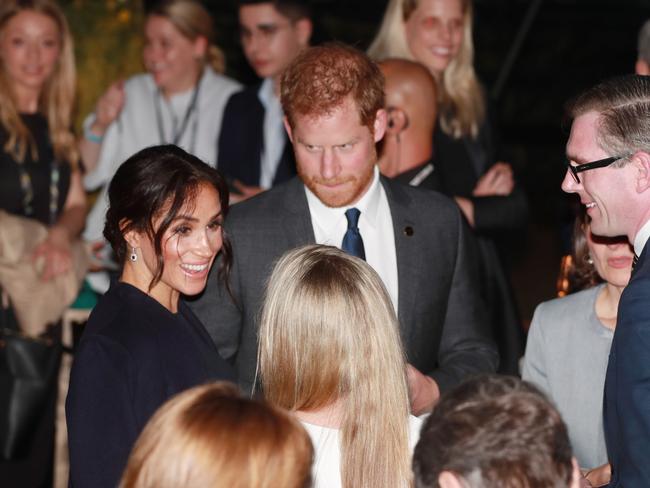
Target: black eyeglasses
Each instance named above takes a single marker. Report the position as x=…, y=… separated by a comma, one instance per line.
x=601, y=163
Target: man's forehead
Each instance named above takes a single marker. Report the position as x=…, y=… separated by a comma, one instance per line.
x=584, y=135
x=260, y=14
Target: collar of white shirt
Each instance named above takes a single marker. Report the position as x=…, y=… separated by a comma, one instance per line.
x=641, y=238
x=327, y=218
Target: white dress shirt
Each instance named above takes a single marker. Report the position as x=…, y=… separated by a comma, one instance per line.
x=375, y=226
x=641, y=238
x=274, y=134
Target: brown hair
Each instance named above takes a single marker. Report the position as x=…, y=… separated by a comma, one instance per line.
x=210, y=436
x=623, y=104
x=193, y=20
x=56, y=100
x=583, y=273
x=294, y=10
x=494, y=432
x=321, y=78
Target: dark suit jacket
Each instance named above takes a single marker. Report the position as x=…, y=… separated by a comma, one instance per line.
x=441, y=315
x=133, y=356
x=242, y=139
x=627, y=384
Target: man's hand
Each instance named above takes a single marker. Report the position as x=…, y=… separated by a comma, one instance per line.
x=599, y=476
x=497, y=181
x=245, y=192
x=423, y=390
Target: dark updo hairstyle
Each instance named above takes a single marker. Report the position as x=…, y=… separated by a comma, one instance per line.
x=583, y=274
x=155, y=180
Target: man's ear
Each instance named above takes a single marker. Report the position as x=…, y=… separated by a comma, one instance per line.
x=447, y=479
x=641, y=162
x=287, y=127
x=379, y=126
x=397, y=121
x=642, y=67
x=304, y=29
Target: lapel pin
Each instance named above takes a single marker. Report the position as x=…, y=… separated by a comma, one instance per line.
x=408, y=231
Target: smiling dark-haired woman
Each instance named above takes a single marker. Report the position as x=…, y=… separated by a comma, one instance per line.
x=142, y=345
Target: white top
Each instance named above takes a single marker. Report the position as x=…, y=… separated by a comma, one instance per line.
x=375, y=226
x=641, y=238
x=326, y=470
x=275, y=137
x=137, y=128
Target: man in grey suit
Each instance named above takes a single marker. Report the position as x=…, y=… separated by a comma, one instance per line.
x=416, y=240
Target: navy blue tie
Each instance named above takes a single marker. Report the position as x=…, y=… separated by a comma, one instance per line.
x=352, y=241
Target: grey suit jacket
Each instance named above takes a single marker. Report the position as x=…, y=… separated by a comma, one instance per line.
x=442, y=319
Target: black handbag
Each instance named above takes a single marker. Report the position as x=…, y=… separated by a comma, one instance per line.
x=28, y=373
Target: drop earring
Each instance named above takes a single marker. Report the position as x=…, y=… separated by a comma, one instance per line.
x=134, y=255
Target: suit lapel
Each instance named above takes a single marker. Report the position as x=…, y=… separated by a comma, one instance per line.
x=297, y=224
x=406, y=249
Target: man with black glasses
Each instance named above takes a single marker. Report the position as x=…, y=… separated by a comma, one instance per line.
x=609, y=169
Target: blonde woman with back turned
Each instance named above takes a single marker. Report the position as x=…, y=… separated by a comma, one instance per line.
x=438, y=34
x=330, y=351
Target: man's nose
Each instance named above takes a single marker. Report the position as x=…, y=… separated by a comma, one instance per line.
x=328, y=165
x=569, y=183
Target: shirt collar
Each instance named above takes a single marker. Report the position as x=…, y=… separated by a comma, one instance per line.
x=266, y=93
x=368, y=205
x=641, y=238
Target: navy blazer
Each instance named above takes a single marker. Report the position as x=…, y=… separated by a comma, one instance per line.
x=242, y=140
x=133, y=356
x=627, y=384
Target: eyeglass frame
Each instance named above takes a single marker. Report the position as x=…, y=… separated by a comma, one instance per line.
x=601, y=163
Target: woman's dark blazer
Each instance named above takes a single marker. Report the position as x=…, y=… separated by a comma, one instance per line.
x=133, y=356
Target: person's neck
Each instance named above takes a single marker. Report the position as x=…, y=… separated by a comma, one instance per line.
x=330, y=415
x=162, y=293
x=409, y=153
x=182, y=86
x=27, y=100
x=607, y=304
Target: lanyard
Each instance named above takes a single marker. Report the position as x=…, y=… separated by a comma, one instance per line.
x=177, y=134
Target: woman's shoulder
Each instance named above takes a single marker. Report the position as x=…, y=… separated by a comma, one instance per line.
x=124, y=315
x=140, y=84
x=559, y=311
x=217, y=84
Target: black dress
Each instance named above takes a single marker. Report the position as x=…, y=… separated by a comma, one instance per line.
x=34, y=470
x=40, y=173
x=133, y=356
x=459, y=163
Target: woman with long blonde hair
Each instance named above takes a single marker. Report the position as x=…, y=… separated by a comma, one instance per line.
x=209, y=436
x=39, y=178
x=438, y=34
x=330, y=351
x=180, y=100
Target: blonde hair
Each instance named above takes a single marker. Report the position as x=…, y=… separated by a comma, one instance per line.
x=56, y=100
x=328, y=333
x=193, y=20
x=460, y=97
x=210, y=436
